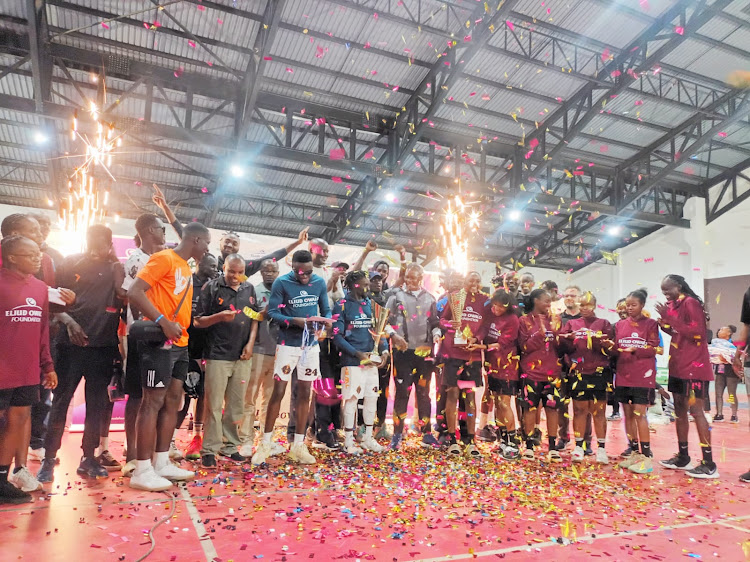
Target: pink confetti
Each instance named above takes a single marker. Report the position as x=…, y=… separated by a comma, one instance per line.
x=679, y=30
x=533, y=143
x=723, y=135
x=192, y=44
x=605, y=55
x=603, y=148
x=369, y=154
x=639, y=102
x=467, y=38
x=337, y=179
x=375, y=15
x=204, y=190
x=105, y=26
x=486, y=97
x=337, y=154
x=290, y=70
x=220, y=21
x=178, y=72
x=267, y=58
x=201, y=8
x=644, y=5
x=510, y=24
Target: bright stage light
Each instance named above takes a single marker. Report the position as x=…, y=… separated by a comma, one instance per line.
x=40, y=138
x=614, y=230
x=390, y=197
x=514, y=215
x=237, y=171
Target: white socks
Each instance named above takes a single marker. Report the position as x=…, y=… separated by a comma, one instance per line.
x=368, y=432
x=141, y=467
x=160, y=459
x=267, y=437
x=299, y=438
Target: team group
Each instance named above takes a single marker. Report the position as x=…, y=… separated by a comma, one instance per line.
x=338, y=334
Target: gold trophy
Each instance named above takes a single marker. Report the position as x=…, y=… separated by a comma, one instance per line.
x=457, y=301
x=380, y=316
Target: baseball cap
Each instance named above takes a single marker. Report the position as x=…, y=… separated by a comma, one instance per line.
x=340, y=264
x=374, y=274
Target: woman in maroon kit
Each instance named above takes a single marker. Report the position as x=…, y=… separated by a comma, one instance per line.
x=690, y=373
x=499, y=337
x=463, y=368
x=635, y=346
x=590, y=375
x=540, y=379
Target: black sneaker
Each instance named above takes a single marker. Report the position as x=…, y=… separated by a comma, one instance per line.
x=10, y=494
x=235, y=457
x=561, y=444
x=745, y=477
x=108, y=461
x=536, y=437
x=46, y=471
x=718, y=418
x=704, y=470
x=627, y=452
x=676, y=462
x=208, y=461
x=588, y=451
x=734, y=419
x=91, y=468
x=487, y=434
x=328, y=443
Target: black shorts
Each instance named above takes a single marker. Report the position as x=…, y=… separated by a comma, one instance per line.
x=19, y=396
x=132, y=381
x=503, y=387
x=548, y=394
x=159, y=366
x=633, y=395
x=590, y=387
x=456, y=370
x=684, y=387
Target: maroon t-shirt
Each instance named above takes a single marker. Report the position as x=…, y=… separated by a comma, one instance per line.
x=637, y=368
x=537, y=340
x=688, y=351
x=587, y=360
x=502, y=363
x=24, y=330
x=476, y=307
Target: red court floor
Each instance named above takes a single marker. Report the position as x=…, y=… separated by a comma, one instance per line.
x=410, y=505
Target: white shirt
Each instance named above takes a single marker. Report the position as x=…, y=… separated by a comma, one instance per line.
x=135, y=262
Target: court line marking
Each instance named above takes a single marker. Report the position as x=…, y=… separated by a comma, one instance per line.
x=203, y=537
x=585, y=539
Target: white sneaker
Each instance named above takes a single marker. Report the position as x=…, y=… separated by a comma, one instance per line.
x=150, y=481
x=174, y=473
x=554, y=456
x=174, y=453
x=298, y=453
x=36, y=454
x=128, y=469
x=246, y=449
x=352, y=449
x=372, y=445
x=601, y=456
x=24, y=480
x=472, y=451
x=263, y=451
x=277, y=449
x=577, y=455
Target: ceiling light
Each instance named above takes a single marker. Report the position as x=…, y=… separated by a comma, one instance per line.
x=40, y=138
x=514, y=215
x=614, y=230
x=390, y=196
x=237, y=171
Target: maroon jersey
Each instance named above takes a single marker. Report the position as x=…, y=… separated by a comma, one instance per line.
x=502, y=330
x=24, y=330
x=637, y=368
x=688, y=351
x=537, y=339
x=585, y=351
x=476, y=307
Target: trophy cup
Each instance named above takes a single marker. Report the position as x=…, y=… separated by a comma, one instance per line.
x=379, y=319
x=457, y=301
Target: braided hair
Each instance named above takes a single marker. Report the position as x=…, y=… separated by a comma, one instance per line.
x=685, y=289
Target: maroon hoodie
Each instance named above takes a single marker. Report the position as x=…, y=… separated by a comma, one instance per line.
x=638, y=368
x=688, y=351
x=539, y=348
x=502, y=363
x=476, y=307
x=587, y=361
